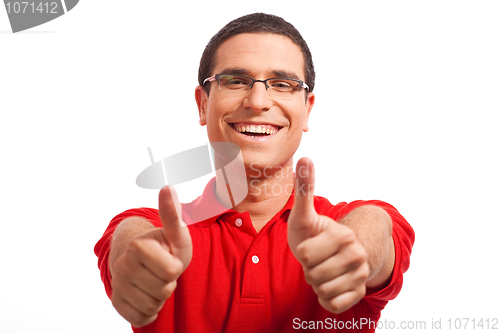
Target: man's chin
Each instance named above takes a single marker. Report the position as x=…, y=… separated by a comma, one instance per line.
x=267, y=168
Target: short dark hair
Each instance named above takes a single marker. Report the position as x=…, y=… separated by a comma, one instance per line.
x=255, y=23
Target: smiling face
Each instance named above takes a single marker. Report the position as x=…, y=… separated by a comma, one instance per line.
x=232, y=117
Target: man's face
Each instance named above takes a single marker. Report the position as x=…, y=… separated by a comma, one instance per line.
x=260, y=56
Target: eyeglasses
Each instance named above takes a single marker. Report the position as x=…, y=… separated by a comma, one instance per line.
x=282, y=88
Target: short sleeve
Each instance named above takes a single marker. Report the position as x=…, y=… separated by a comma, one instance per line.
x=102, y=248
x=403, y=238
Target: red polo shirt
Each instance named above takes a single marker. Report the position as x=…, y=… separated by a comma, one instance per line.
x=243, y=281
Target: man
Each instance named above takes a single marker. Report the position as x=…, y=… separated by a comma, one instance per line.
x=280, y=260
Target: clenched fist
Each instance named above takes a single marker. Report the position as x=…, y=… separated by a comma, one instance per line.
x=145, y=274
x=334, y=262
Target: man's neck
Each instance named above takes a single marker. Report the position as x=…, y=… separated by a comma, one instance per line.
x=268, y=192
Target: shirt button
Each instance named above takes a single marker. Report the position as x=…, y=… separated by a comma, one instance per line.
x=238, y=222
x=255, y=259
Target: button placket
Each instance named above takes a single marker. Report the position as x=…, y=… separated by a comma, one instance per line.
x=254, y=275
x=255, y=270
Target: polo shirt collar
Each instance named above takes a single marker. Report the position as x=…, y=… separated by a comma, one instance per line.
x=206, y=209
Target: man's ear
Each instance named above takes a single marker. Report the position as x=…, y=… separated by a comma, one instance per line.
x=311, y=98
x=201, y=100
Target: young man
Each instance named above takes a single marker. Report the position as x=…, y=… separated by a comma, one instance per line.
x=280, y=260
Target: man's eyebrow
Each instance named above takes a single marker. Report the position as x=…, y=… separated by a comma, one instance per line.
x=237, y=71
x=285, y=74
x=274, y=73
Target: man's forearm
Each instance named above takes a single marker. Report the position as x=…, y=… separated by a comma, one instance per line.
x=127, y=230
x=372, y=227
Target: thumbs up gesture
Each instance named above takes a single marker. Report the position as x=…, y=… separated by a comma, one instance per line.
x=146, y=272
x=333, y=261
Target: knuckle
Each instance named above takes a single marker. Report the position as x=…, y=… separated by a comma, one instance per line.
x=122, y=268
x=303, y=255
x=151, y=308
x=356, y=256
x=331, y=305
x=177, y=268
x=310, y=276
x=141, y=318
x=321, y=290
x=169, y=270
x=361, y=292
x=173, y=270
x=347, y=236
x=359, y=254
x=338, y=306
x=133, y=252
x=364, y=272
x=335, y=308
x=137, y=319
x=116, y=287
x=135, y=246
x=168, y=289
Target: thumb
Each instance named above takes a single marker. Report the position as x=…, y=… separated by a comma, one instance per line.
x=304, y=186
x=174, y=229
x=303, y=220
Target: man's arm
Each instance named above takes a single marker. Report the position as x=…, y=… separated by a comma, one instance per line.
x=340, y=259
x=372, y=227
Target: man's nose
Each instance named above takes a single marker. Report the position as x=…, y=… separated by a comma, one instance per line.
x=257, y=98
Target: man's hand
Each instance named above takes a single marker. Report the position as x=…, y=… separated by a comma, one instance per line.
x=334, y=262
x=145, y=275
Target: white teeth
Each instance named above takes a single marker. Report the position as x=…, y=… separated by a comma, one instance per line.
x=255, y=129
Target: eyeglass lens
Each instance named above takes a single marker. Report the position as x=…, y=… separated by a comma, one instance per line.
x=275, y=87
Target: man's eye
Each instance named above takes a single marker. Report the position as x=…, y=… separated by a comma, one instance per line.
x=282, y=85
x=235, y=82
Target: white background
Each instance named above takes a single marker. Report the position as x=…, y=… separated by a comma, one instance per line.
x=407, y=112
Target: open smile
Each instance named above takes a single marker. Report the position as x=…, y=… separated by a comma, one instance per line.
x=256, y=130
